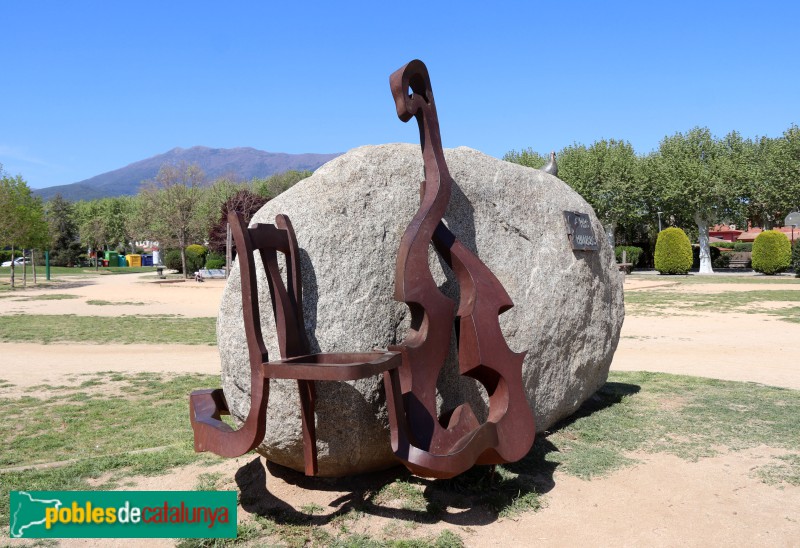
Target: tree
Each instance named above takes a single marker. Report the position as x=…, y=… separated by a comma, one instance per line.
x=174, y=201
x=527, y=157
x=92, y=227
x=606, y=174
x=776, y=188
x=65, y=248
x=699, y=176
x=275, y=184
x=22, y=222
x=246, y=203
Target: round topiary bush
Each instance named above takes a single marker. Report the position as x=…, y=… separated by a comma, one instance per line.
x=772, y=252
x=673, y=252
x=198, y=250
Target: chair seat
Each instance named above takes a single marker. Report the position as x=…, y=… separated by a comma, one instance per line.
x=333, y=366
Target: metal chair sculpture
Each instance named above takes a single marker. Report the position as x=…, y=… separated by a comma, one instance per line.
x=447, y=445
x=207, y=406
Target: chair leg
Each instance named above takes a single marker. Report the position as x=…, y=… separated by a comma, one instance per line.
x=308, y=396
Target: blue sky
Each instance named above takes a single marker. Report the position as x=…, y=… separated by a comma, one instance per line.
x=87, y=87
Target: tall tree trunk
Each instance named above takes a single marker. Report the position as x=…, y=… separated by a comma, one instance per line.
x=610, y=228
x=24, y=271
x=705, y=248
x=33, y=266
x=12, y=266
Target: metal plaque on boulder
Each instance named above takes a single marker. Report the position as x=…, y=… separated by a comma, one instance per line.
x=579, y=231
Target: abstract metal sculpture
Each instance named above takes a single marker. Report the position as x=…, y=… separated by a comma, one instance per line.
x=447, y=445
x=206, y=406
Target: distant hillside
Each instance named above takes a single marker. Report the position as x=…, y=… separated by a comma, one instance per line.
x=241, y=163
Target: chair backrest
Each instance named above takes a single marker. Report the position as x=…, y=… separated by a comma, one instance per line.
x=287, y=302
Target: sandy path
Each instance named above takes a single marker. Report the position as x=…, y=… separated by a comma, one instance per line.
x=189, y=298
x=25, y=364
x=737, y=347
x=663, y=501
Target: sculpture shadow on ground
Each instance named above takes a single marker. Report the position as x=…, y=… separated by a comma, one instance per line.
x=477, y=497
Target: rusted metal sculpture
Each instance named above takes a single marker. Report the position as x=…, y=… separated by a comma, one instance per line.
x=447, y=445
x=206, y=406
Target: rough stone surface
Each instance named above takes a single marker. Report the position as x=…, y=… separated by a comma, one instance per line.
x=349, y=217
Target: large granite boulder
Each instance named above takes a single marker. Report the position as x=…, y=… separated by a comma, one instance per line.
x=349, y=217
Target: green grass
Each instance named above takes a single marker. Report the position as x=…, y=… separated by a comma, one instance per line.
x=103, y=421
x=101, y=302
x=656, y=302
x=57, y=271
x=690, y=417
x=47, y=329
x=714, y=279
x=97, y=433
x=49, y=297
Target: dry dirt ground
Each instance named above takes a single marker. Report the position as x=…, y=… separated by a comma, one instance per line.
x=662, y=501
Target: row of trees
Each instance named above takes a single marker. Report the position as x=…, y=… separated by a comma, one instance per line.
x=693, y=179
x=22, y=220
x=176, y=209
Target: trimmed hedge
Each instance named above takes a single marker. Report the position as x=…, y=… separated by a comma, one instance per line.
x=772, y=252
x=632, y=253
x=796, y=258
x=723, y=245
x=673, y=252
x=215, y=260
x=194, y=261
x=743, y=246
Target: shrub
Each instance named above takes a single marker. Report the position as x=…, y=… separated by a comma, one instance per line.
x=715, y=255
x=198, y=250
x=215, y=260
x=796, y=258
x=743, y=246
x=723, y=261
x=723, y=245
x=673, y=252
x=633, y=253
x=772, y=252
x=172, y=260
x=194, y=260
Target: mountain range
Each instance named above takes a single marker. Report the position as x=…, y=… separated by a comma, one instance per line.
x=243, y=163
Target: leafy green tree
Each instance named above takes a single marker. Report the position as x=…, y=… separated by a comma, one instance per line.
x=606, y=174
x=527, y=157
x=699, y=176
x=275, y=184
x=65, y=247
x=174, y=200
x=775, y=190
x=22, y=222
